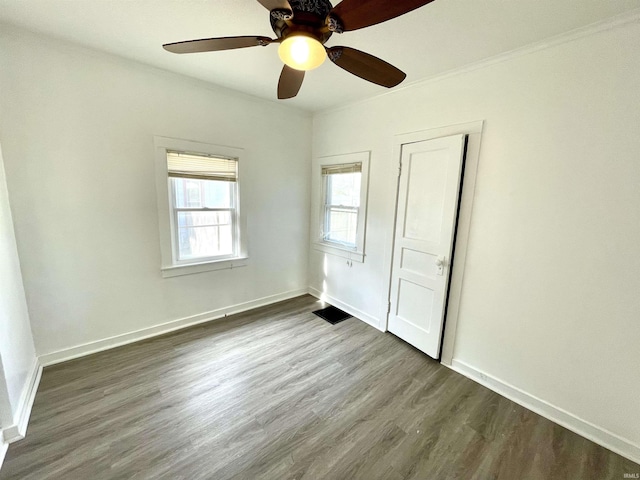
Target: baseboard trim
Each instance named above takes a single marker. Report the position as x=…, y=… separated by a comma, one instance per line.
x=18, y=430
x=558, y=415
x=359, y=314
x=174, y=325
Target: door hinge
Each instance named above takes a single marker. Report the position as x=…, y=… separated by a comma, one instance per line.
x=400, y=169
x=389, y=307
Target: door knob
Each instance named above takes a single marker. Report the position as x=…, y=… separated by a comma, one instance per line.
x=440, y=264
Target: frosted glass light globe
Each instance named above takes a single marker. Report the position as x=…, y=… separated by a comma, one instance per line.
x=302, y=52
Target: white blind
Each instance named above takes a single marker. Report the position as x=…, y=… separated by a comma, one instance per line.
x=343, y=168
x=200, y=166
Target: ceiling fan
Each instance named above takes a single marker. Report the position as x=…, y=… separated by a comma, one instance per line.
x=302, y=27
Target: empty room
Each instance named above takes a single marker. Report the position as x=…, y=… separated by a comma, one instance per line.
x=313, y=239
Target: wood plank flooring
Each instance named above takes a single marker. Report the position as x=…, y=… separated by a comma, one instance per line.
x=278, y=393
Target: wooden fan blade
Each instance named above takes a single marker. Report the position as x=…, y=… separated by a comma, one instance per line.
x=366, y=66
x=275, y=4
x=355, y=14
x=290, y=82
x=216, y=44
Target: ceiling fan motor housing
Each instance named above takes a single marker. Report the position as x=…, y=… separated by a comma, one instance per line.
x=309, y=18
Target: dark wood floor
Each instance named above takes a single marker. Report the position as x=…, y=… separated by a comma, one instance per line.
x=278, y=393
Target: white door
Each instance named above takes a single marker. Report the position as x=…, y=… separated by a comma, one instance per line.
x=425, y=226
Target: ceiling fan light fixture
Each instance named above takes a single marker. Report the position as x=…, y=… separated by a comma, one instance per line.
x=302, y=52
x=302, y=27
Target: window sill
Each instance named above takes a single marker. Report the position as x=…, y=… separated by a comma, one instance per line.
x=191, y=268
x=344, y=252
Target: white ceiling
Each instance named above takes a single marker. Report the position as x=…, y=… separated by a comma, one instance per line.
x=438, y=37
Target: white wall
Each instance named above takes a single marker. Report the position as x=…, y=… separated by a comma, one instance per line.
x=17, y=353
x=77, y=130
x=550, y=298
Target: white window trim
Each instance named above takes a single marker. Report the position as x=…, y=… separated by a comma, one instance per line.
x=318, y=243
x=169, y=266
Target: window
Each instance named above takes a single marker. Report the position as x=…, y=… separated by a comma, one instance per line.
x=201, y=226
x=203, y=203
x=340, y=199
x=341, y=203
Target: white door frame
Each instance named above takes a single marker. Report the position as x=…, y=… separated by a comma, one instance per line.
x=473, y=130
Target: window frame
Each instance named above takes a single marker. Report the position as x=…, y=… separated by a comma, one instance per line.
x=319, y=242
x=327, y=208
x=171, y=265
x=175, y=230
